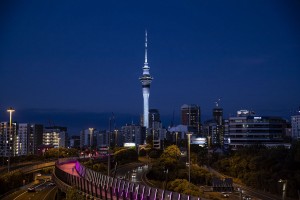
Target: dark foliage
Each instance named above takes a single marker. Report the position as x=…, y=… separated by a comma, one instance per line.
x=261, y=167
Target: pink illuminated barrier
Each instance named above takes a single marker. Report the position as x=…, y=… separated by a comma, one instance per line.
x=101, y=186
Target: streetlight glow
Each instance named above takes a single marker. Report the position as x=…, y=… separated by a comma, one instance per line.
x=91, y=140
x=283, y=188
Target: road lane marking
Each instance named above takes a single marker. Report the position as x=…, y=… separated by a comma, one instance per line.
x=20, y=195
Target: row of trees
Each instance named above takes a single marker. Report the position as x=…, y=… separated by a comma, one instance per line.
x=170, y=168
x=261, y=167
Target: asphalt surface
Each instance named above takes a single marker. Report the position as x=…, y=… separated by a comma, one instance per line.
x=43, y=191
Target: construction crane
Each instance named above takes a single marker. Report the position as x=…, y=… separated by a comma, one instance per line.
x=218, y=102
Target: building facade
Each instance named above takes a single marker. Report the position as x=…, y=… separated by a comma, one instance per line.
x=88, y=137
x=295, y=122
x=248, y=129
x=8, y=139
x=55, y=136
x=35, y=138
x=133, y=134
x=102, y=138
x=190, y=116
x=22, y=139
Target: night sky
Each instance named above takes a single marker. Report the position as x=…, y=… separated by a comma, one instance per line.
x=73, y=63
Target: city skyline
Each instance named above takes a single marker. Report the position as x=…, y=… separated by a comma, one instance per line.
x=79, y=58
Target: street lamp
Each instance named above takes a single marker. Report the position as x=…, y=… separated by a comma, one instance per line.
x=58, y=149
x=91, y=140
x=189, y=148
x=10, y=110
x=176, y=137
x=241, y=193
x=116, y=138
x=153, y=130
x=283, y=188
x=166, y=173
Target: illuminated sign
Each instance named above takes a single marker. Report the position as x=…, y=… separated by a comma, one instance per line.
x=129, y=144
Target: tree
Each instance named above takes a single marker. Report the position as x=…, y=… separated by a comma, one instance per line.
x=183, y=186
x=142, y=152
x=169, y=159
x=172, y=152
x=154, y=153
x=126, y=156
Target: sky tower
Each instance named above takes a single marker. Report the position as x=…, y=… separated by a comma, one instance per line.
x=146, y=80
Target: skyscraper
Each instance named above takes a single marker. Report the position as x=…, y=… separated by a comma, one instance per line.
x=146, y=80
x=190, y=116
x=218, y=113
x=296, y=126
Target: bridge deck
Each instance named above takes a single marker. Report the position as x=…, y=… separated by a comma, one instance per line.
x=69, y=168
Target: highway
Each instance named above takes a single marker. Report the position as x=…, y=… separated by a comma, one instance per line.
x=132, y=172
x=44, y=191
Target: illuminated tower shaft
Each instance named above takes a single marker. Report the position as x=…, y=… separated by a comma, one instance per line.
x=146, y=80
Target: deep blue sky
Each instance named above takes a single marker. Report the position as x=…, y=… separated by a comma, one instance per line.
x=76, y=57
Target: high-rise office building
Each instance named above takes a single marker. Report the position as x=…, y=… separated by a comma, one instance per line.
x=55, y=136
x=8, y=136
x=102, y=138
x=35, y=138
x=87, y=137
x=133, y=134
x=295, y=122
x=249, y=129
x=146, y=80
x=75, y=141
x=190, y=116
x=22, y=139
x=154, y=118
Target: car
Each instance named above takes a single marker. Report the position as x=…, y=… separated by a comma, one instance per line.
x=31, y=189
x=225, y=195
x=51, y=184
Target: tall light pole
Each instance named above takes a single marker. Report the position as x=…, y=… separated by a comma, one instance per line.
x=165, y=183
x=58, y=148
x=153, y=130
x=176, y=138
x=283, y=188
x=91, y=139
x=116, y=137
x=10, y=110
x=189, y=148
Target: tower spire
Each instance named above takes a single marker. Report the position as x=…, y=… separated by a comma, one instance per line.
x=146, y=60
